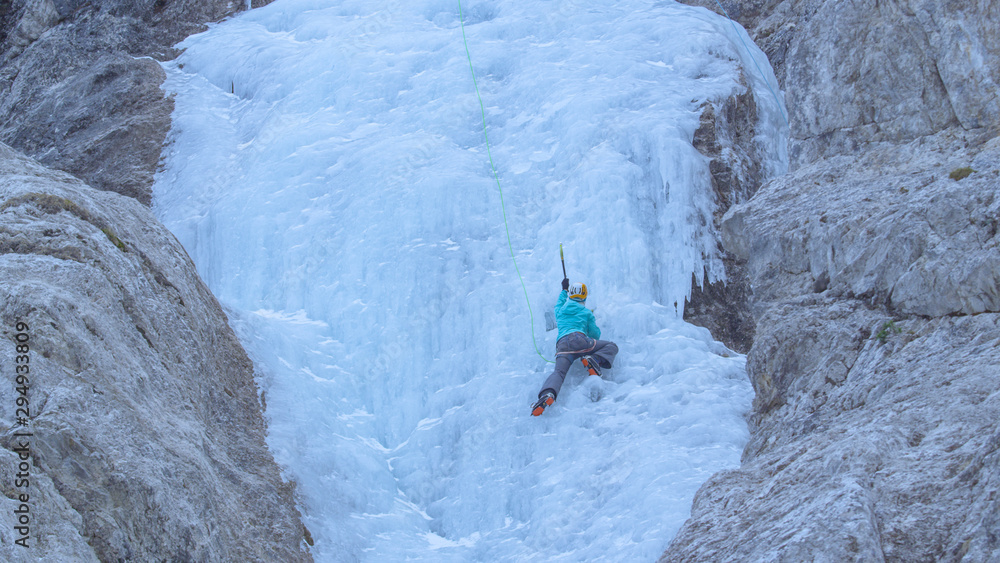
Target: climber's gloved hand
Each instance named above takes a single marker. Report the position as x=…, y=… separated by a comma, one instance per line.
x=565, y=284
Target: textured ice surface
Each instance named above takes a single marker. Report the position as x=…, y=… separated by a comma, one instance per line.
x=327, y=172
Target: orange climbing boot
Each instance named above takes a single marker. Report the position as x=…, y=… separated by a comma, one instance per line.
x=544, y=400
x=593, y=368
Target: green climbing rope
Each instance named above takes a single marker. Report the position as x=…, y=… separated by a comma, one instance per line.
x=496, y=176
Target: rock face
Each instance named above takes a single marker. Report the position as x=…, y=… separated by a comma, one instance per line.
x=80, y=89
x=872, y=71
x=876, y=293
x=726, y=135
x=147, y=437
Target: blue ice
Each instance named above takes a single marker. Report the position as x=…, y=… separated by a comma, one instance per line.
x=328, y=174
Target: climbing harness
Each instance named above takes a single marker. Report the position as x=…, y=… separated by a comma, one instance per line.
x=496, y=176
x=584, y=351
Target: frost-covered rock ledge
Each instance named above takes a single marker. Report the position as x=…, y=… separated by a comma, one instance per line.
x=876, y=293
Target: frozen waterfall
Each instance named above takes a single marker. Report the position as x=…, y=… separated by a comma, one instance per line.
x=328, y=174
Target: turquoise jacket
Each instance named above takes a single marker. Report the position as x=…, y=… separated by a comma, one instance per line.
x=572, y=316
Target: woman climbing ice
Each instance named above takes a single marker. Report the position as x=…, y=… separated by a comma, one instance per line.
x=578, y=338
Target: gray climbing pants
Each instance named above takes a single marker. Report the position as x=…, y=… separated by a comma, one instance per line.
x=573, y=346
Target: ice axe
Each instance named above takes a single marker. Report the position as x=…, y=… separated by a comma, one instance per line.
x=550, y=317
x=563, y=260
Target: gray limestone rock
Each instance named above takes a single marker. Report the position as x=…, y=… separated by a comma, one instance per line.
x=727, y=136
x=869, y=71
x=890, y=226
x=148, y=438
x=874, y=268
x=80, y=83
x=874, y=449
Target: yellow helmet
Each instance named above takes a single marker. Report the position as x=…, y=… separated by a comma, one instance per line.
x=578, y=291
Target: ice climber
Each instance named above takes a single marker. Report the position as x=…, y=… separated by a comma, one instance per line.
x=578, y=338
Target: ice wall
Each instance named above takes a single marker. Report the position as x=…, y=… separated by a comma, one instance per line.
x=327, y=172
